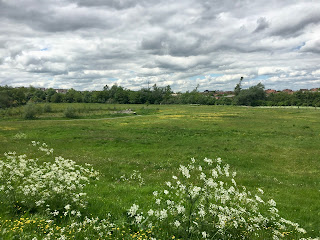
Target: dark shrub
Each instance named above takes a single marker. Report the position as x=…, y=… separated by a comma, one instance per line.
x=30, y=111
x=70, y=112
x=47, y=108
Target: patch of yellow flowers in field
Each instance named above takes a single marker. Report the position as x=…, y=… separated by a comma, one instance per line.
x=16, y=227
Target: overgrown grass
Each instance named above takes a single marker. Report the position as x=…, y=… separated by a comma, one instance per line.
x=56, y=111
x=274, y=149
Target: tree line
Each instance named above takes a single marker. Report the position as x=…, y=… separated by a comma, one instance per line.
x=253, y=96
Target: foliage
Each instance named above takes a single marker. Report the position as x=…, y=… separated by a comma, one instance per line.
x=70, y=112
x=237, y=88
x=47, y=108
x=204, y=201
x=157, y=144
x=30, y=111
x=36, y=228
x=254, y=96
x=251, y=96
x=28, y=185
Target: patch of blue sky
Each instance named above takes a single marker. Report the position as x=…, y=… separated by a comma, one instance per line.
x=113, y=79
x=215, y=74
x=44, y=49
x=297, y=48
x=261, y=77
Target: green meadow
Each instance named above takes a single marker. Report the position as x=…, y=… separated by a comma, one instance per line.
x=275, y=149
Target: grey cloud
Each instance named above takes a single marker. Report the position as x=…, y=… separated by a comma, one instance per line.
x=173, y=45
x=262, y=24
x=110, y=3
x=54, y=19
x=297, y=25
x=311, y=46
x=156, y=44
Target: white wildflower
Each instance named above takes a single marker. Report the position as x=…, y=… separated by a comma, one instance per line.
x=55, y=213
x=138, y=218
x=176, y=223
x=301, y=230
x=259, y=199
x=272, y=203
x=202, y=176
x=150, y=212
x=201, y=212
x=185, y=171
x=163, y=214
x=195, y=191
x=133, y=210
x=260, y=190
x=214, y=173
x=180, y=209
x=209, y=161
x=205, y=235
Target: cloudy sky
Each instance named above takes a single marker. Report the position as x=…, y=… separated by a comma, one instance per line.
x=86, y=44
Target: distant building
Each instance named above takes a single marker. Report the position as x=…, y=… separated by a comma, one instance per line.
x=315, y=90
x=61, y=90
x=289, y=91
x=269, y=91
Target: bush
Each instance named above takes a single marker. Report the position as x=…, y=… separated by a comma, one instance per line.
x=205, y=202
x=54, y=188
x=30, y=111
x=47, y=108
x=70, y=112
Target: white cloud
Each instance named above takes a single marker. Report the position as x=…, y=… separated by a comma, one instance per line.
x=86, y=44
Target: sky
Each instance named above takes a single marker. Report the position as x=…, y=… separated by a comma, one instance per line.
x=85, y=44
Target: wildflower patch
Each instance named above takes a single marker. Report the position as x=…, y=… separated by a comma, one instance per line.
x=54, y=188
x=203, y=201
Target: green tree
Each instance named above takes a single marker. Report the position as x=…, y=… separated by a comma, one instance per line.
x=49, y=93
x=57, y=98
x=237, y=89
x=253, y=96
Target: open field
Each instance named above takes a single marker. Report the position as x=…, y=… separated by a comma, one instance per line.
x=271, y=148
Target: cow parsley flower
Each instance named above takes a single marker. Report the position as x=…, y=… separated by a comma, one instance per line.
x=185, y=171
x=176, y=223
x=133, y=210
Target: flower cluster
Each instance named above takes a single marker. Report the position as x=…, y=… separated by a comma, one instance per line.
x=20, y=136
x=86, y=229
x=54, y=187
x=205, y=202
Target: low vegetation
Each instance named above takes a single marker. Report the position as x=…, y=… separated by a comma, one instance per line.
x=142, y=183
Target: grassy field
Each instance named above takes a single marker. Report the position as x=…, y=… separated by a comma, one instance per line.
x=275, y=149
